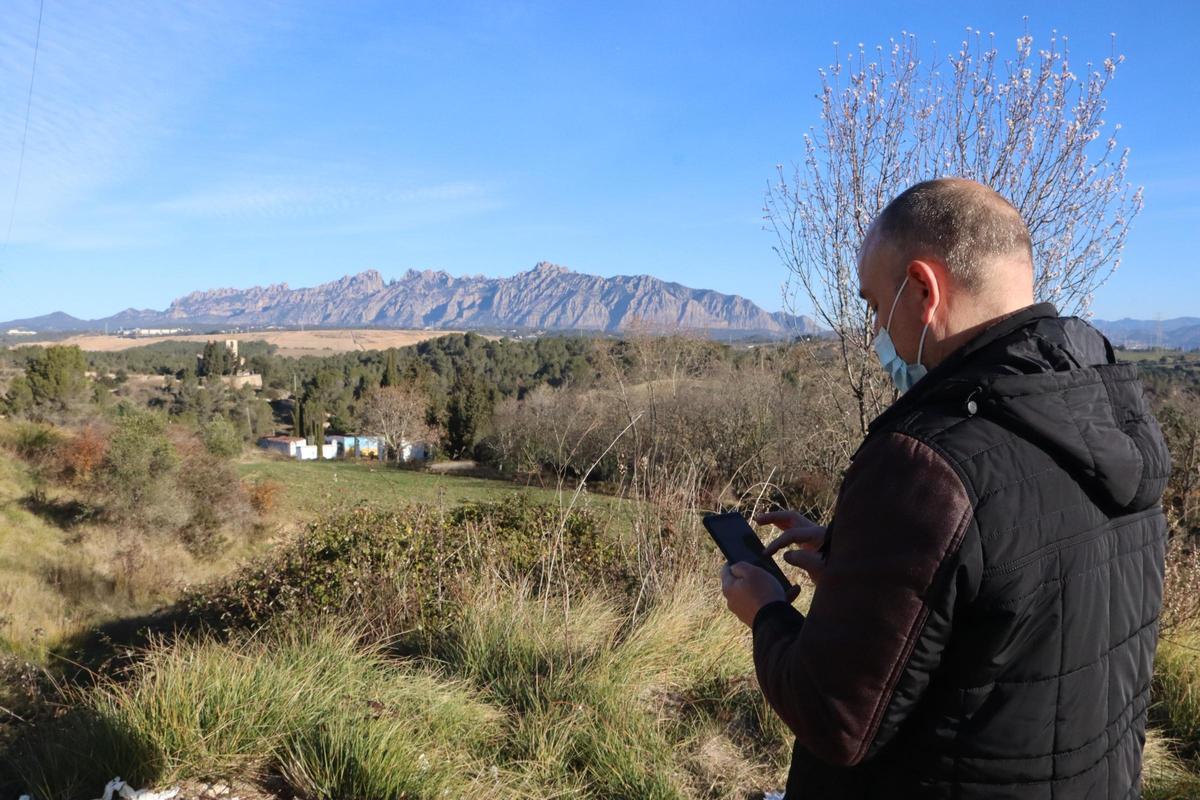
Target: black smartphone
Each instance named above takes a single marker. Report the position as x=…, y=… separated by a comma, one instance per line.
x=738, y=541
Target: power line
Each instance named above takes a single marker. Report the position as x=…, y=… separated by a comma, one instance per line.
x=37, y=42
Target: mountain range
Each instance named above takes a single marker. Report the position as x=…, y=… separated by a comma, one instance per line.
x=1179, y=333
x=545, y=298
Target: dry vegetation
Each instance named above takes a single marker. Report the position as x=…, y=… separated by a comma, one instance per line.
x=291, y=344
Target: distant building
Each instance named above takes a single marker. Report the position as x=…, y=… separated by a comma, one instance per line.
x=369, y=447
x=354, y=446
x=151, y=331
x=413, y=451
x=344, y=446
x=341, y=446
x=287, y=445
x=374, y=447
x=20, y=332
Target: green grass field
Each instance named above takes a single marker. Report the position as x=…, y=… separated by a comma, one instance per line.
x=311, y=487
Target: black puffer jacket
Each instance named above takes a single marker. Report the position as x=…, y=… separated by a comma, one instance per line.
x=986, y=623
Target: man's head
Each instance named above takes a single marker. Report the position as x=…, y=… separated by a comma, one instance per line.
x=967, y=258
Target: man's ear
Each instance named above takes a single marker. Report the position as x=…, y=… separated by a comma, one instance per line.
x=928, y=275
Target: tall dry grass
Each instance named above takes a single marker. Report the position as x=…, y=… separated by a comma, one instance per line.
x=516, y=699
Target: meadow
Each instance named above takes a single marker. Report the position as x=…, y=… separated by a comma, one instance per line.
x=183, y=610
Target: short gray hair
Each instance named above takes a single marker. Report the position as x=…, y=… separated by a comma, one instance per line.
x=962, y=223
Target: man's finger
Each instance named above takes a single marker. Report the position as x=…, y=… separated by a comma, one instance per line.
x=798, y=536
x=804, y=559
x=782, y=519
x=726, y=577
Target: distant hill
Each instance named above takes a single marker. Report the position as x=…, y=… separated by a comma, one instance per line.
x=1180, y=333
x=545, y=298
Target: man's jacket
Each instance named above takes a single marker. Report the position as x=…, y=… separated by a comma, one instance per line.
x=986, y=622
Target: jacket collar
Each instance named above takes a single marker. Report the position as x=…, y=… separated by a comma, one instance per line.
x=936, y=377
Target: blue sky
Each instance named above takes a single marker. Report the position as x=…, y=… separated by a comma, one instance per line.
x=182, y=146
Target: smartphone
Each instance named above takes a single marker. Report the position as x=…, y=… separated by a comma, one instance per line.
x=738, y=541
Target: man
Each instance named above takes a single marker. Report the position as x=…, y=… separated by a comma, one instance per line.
x=987, y=594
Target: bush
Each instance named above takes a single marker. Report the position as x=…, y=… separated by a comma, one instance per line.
x=34, y=442
x=81, y=455
x=221, y=438
x=213, y=493
x=414, y=556
x=137, y=475
x=264, y=495
x=19, y=397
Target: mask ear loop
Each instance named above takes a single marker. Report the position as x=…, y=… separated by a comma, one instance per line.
x=925, y=330
x=903, y=283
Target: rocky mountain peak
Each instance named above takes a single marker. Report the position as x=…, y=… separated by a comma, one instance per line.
x=367, y=281
x=548, y=269
x=547, y=297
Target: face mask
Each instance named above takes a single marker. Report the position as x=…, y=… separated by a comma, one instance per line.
x=904, y=375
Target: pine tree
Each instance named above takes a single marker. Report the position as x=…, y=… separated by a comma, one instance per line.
x=316, y=416
x=391, y=374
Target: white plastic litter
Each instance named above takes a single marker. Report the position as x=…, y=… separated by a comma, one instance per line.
x=126, y=792
x=773, y=796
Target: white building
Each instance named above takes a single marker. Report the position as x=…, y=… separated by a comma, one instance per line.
x=287, y=445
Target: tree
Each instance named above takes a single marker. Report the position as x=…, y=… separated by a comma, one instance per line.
x=397, y=415
x=468, y=413
x=391, y=374
x=216, y=359
x=57, y=376
x=1026, y=126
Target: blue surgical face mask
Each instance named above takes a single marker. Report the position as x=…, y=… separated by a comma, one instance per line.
x=904, y=375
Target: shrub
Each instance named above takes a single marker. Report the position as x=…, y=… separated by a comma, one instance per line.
x=34, y=442
x=264, y=495
x=411, y=557
x=19, y=397
x=138, y=471
x=213, y=492
x=81, y=455
x=221, y=438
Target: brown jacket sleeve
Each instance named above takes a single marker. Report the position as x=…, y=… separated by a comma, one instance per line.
x=901, y=516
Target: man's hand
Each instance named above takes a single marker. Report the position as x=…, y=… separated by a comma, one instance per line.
x=797, y=530
x=748, y=588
